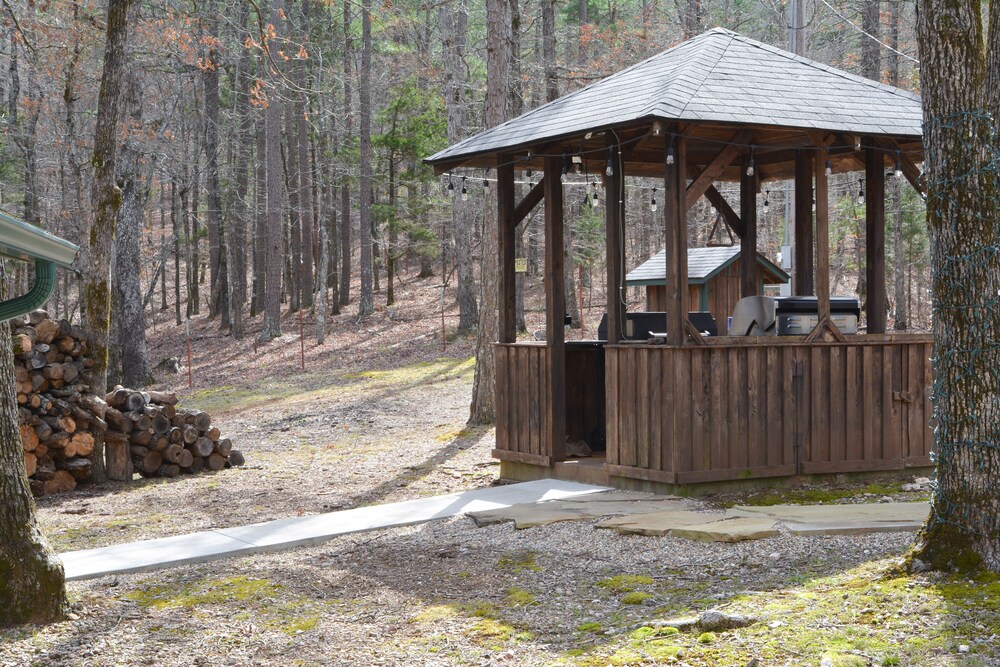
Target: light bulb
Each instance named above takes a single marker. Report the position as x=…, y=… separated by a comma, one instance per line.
x=486, y=185
x=767, y=206
x=610, y=170
x=861, y=197
x=899, y=169
x=593, y=200
x=829, y=168
x=451, y=189
x=465, y=195
x=652, y=202
x=750, y=167
x=670, y=155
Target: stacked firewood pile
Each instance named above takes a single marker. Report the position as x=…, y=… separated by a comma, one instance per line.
x=61, y=417
x=162, y=440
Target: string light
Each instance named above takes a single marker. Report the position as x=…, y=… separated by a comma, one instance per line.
x=652, y=202
x=565, y=165
x=829, y=168
x=750, y=163
x=899, y=166
x=861, y=191
x=486, y=182
x=593, y=199
x=451, y=186
x=528, y=173
x=610, y=169
x=814, y=200
x=465, y=193
x=670, y=155
x=767, y=204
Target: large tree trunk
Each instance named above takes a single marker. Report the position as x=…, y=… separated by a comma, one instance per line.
x=130, y=321
x=106, y=199
x=305, y=172
x=499, y=64
x=961, y=104
x=259, y=219
x=275, y=232
x=454, y=29
x=32, y=584
x=366, y=305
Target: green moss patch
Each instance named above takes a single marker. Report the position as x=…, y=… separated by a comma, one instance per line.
x=623, y=583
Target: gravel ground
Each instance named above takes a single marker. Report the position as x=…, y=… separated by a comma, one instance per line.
x=352, y=432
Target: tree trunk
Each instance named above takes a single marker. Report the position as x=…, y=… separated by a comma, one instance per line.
x=175, y=214
x=294, y=208
x=366, y=305
x=499, y=59
x=260, y=220
x=324, y=262
x=32, y=583
x=305, y=172
x=454, y=30
x=275, y=232
x=899, y=266
x=345, y=188
x=218, y=305
x=236, y=225
x=130, y=321
x=961, y=104
x=106, y=199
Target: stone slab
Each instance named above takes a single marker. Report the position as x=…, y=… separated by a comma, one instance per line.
x=735, y=529
x=866, y=512
x=658, y=523
x=593, y=506
x=308, y=530
x=853, y=527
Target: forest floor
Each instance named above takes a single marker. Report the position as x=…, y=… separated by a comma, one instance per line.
x=379, y=415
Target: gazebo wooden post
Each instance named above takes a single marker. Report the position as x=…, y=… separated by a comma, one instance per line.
x=507, y=224
x=802, y=280
x=875, y=239
x=613, y=246
x=822, y=236
x=555, y=311
x=749, y=271
x=675, y=240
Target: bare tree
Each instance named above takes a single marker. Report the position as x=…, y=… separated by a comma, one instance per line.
x=366, y=305
x=273, y=249
x=105, y=200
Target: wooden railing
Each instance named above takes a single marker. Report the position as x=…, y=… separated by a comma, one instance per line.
x=521, y=401
x=747, y=408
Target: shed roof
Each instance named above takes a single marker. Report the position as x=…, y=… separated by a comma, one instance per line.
x=719, y=77
x=703, y=265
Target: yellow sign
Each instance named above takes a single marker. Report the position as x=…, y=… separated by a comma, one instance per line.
x=520, y=265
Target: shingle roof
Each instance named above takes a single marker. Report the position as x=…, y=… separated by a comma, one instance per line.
x=718, y=76
x=703, y=264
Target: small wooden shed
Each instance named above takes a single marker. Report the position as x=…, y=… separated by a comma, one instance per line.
x=713, y=280
x=719, y=107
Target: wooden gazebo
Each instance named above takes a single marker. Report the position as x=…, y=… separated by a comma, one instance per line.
x=719, y=107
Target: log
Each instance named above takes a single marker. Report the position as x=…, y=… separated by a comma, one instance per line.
x=29, y=439
x=215, y=462
x=80, y=468
x=47, y=330
x=29, y=331
x=202, y=421
x=169, y=470
x=160, y=443
x=213, y=433
x=169, y=411
x=176, y=435
x=161, y=424
x=70, y=372
x=151, y=463
x=21, y=344
x=189, y=434
x=141, y=437
x=173, y=453
x=60, y=482
x=236, y=458
x=138, y=451
x=30, y=463
x=162, y=397
x=203, y=446
x=116, y=397
x=117, y=461
x=135, y=401
x=118, y=420
x=84, y=443
x=186, y=459
x=66, y=345
x=139, y=421
x=94, y=405
x=54, y=372
x=224, y=447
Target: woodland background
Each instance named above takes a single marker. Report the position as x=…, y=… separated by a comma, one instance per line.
x=270, y=158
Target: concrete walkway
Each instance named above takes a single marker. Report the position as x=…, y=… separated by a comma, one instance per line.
x=306, y=530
